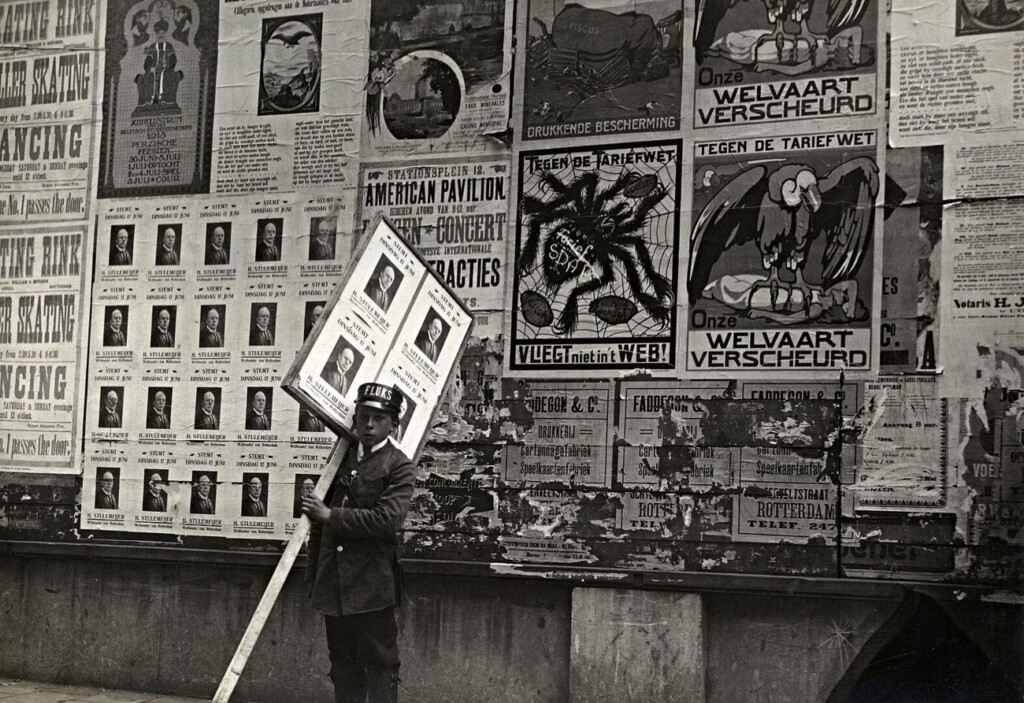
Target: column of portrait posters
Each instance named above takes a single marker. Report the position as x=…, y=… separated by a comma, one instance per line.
x=391, y=321
x=199, y=309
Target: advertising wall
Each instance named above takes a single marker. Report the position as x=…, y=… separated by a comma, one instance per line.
x=735, y=307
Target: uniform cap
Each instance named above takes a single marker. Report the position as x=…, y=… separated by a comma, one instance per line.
x=375, y=395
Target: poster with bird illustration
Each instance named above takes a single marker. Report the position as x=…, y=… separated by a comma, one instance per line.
x=760, y=62
x=596, y=258
x=783, y=241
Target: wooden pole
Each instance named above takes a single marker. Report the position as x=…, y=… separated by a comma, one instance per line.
x=284, y=567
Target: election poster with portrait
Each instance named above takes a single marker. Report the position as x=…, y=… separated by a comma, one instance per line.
x=596, y=259
x=391, y=320
x=784, y=239
x=48, y=68
x=199, y=308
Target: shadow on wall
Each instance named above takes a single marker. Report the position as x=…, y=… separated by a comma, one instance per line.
x=921, y=655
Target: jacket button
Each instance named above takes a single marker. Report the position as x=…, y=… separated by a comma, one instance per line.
x=340, y=548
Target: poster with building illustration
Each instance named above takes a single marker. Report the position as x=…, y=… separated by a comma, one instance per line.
x=438, y=77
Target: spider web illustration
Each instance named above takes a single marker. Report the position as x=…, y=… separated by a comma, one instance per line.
x=658, y=231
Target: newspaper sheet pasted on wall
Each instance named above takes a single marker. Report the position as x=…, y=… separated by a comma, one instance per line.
x=596, y=259
x=43, y=308
x=904, y=458
x=755, y=64
x=455, y=214
x=48, y=68
x=288, y=104
x=957, y=67
x=438, y=77
x=783, y=247
x=598, y=69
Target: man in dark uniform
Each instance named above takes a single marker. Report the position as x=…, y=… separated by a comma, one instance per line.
x=354, y=576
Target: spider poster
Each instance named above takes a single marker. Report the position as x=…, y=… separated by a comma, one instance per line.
x=596, y=258
x=767, y=62
x=781, y=273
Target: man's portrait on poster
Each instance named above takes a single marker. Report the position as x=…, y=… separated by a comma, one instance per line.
x=342, y=366
x=432, y=335
x=314, y=309
x=322, y=238
x=259, y=401
x=212, y=323
x=158, y=408
x=204, y=493
x=168, y=247
x=115, y=329
x=108, y=480
x=162, y=333
x=384, y=283
x=122, y=242
x=255, y=493
x=305, y=484
x=269, y=233
x=111, y=406
x=262, y=321
x=154, y=500
x=207, y=416
x=218, y=244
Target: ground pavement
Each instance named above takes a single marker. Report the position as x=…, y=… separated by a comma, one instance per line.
x=15, y=691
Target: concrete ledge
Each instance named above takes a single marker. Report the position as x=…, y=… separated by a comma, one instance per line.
x=639, y=646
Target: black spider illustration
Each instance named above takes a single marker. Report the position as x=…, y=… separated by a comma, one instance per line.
x=586, y=231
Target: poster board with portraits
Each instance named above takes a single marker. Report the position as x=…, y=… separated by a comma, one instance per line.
x=391, y=320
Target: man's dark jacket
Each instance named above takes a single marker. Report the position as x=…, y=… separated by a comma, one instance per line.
x=353, y=558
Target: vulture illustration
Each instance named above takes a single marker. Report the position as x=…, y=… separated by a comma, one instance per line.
x=842, y=14
x=783, y=213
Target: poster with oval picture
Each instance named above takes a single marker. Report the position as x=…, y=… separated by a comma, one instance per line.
x=290, y=64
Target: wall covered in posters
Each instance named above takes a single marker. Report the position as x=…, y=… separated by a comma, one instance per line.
x=736, y=307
